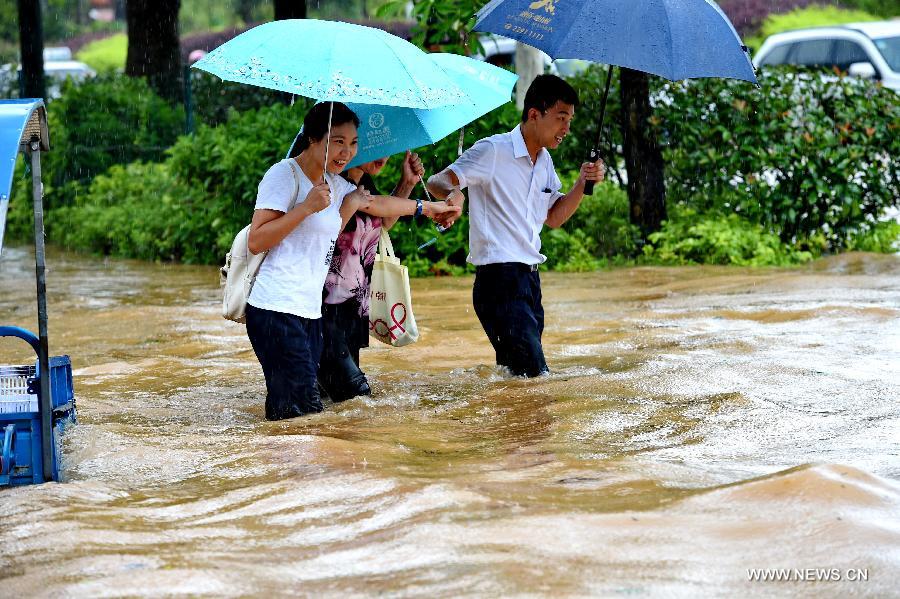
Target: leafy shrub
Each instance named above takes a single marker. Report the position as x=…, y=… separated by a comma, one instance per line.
x=599, y=230
x=882, y=237
x=805, y=155
x=138, y=211
x=691, y=238
x=226, y=163
x=883, y=8
x=104, y=121
x=105, y=55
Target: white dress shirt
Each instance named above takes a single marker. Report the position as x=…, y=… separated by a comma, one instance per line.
x=509, y=197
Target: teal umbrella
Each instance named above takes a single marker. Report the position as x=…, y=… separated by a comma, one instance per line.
x=387, y=130
x=333, y=61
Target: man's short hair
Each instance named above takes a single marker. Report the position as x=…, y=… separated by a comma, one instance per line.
x=545, y=91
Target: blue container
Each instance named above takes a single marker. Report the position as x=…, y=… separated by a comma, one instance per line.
x=21, y=438
x=30, y=431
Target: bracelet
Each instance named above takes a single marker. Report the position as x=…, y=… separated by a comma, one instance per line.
x=419, y=207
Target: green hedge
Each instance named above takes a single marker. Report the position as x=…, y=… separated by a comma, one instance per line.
x=100, y=122
x=770, y=176
x=806, y=156
x=105, y=55
x=691, y=238
x=137, y=210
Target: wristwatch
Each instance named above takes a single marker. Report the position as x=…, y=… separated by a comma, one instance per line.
x=419, y=207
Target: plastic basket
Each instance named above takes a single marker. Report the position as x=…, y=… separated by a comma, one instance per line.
x=14, y=395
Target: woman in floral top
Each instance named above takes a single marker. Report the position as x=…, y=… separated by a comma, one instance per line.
x=345, y=310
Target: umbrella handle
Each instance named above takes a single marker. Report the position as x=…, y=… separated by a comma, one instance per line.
x=594, y=154
x=327, y=142
x=438, y=227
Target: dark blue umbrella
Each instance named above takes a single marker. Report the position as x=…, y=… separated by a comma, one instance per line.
x=674, y=39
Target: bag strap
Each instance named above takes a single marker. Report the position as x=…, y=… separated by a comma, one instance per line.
x=385, y=247
x=295, y=168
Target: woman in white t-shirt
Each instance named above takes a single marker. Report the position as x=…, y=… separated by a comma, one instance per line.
x=284, y=307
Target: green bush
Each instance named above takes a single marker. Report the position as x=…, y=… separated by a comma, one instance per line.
x=882, y=237
x=104, y=121
x=226, y=163
x=803, y=156
x=691, y=238
x=883, y=8
x=95, y=124
x=139, y=211
x=105, y=55
x=598, y=231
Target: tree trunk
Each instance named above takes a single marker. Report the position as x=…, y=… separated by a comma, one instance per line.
x=643, y=158
x=154, y=49
x=31, y=45
x=290, y=9
x=529, y=65
x=244, y=9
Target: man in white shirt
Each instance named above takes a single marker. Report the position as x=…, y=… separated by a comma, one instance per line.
x=513, y=193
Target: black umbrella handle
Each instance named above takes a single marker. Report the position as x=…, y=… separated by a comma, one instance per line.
x=594, y=154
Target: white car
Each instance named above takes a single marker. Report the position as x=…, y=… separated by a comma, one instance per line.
x=868, y=50
x=56, y=71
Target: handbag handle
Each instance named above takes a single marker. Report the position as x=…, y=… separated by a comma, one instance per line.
x=385, y=247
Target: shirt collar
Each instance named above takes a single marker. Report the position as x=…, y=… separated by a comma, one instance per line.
x=518, y=142
x=520, y=150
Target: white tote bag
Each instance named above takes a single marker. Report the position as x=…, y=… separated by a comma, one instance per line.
x=391, y=317
x=241, y=267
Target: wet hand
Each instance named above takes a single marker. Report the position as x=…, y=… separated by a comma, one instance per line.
x=593, y=171
x=456, y=197
x=442, y=213
x=361, y=198
x=412, y=168
x=318, y=198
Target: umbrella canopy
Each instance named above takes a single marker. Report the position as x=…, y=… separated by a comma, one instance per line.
x=333, y=61
x=387, y=130
x=674, y=39
x=20, y=120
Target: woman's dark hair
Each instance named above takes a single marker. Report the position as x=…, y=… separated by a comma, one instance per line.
x=315, y=124
x=545, y=91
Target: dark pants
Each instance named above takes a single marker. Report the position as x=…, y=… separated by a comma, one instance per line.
x=344, y=331
x=507, y=298
x=288, y=349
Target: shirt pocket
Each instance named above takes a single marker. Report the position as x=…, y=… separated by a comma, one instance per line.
x=545, y=199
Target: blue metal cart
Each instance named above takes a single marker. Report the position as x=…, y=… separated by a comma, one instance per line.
x=36, y=400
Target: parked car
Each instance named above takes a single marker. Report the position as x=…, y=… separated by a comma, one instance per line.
x=56, y=72
x=868, y=50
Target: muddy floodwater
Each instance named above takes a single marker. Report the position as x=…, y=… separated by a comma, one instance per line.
x=702, y=428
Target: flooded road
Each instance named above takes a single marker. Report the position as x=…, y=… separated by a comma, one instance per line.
x=700, y=423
